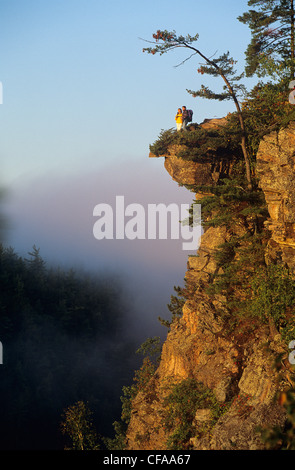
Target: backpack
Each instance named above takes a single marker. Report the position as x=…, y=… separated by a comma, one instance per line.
x=189, y=115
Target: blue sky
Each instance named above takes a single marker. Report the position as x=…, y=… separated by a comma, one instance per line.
x=81, y=104
x=79, y=91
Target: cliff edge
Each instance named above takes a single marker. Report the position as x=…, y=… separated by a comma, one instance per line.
x=218, y=379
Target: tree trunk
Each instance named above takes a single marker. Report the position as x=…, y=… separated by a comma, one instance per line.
x=242, y=125
x=240, y=115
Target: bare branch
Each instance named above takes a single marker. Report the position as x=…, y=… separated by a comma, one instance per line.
x=185, y=60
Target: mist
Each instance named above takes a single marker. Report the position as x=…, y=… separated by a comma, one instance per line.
x=54, y=212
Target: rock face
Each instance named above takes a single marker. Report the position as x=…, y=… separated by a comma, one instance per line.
x=275, y=169
x=191, y=173
x=237, y=368
x=188, y=172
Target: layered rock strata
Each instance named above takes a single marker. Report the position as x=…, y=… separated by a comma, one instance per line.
x=238, y=371
x=276, y=171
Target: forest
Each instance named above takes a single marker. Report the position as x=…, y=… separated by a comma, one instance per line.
x=61, y=333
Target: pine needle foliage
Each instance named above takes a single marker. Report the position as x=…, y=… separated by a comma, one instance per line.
x=78, y=427
x=271, y=49
x=229, y=201
x=181, y=402
x=273, y=298
x=222, y=67
x=198, y=143
x=266, y=108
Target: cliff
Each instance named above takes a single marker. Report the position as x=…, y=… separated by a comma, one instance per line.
x=218, y=379
x=275, y=169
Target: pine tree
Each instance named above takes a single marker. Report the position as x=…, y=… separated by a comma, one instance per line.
x=77, y=425
x=272, y=25
x=165, y=41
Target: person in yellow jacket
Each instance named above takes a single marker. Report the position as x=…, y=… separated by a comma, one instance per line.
x=178, y=119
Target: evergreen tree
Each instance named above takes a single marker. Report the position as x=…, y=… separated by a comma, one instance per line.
x=77, y=425
x=62, y=342
x=272, y=45
x=166, y=41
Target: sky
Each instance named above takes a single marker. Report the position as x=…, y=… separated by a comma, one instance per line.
x=74, y=71
x=81, y=105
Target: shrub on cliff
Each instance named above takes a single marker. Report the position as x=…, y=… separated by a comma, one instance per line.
x=165, y=139
x=273, y=298
x=266, y=108
x=198, y=142
x=182, y=401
